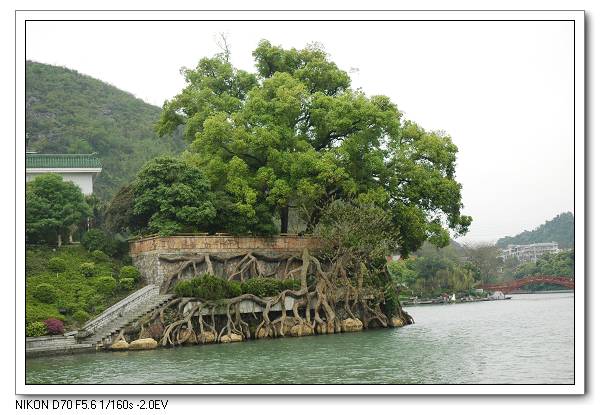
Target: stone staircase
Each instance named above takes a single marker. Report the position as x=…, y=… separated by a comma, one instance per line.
x=102, y=329
x=109, y=331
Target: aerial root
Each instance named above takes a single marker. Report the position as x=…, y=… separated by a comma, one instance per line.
x=195, y=320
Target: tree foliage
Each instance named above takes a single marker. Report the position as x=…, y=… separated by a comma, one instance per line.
x=485, y=258
x=171, y=196
x=558, y=264
x=97, y=239
x=52, y=207
x=355, y=234
x=296, y=136
x=433, y=271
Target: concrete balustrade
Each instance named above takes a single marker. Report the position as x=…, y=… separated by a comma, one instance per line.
x=117, y=310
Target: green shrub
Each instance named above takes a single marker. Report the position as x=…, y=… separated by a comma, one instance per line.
x=45, y=293
x=184, y=289
x=66, y=305
x=207, y=287
x=121, y=248
x=269, y=287
x=106, y=285
x=35, y=329
x=98, y=255
x=94, y=302
x=81, y=316
x=235, y=288
x=126, y=283
x=95, y=239
x=57, y=264
x=126, y=259
x=35, y=311
x=129, y=271
x=262, y=286
x=289, y=284
x=392, y=302
x=88, y=269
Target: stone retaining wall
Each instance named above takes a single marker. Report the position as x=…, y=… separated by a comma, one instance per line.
x=146, y=252
x=49, y=341
x=222, y=244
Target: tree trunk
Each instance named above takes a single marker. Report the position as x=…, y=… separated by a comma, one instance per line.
x=284, y=212
x=59, y=240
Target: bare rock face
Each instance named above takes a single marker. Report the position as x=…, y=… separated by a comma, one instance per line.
x=396, y=322
x=351, y=324
x=288, y=324
x=143, y=344
x=189, y=337
x=300, y=330
x=207, y=337
x=327, y=328
x=230, y=338
x=119, y=345
x=262, y=333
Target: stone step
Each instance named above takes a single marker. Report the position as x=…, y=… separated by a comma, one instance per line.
x=116, y=325
x=66, y=349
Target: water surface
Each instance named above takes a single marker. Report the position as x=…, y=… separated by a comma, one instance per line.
x=528, y=339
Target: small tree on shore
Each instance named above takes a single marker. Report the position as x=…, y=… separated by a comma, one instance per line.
x=52, y=207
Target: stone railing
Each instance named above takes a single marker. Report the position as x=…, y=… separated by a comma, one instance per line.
x=116, y=310
x=222, y=244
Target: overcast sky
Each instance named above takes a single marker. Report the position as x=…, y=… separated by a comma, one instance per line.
x=502, y=90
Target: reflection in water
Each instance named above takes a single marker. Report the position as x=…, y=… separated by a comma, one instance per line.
x=529, y=339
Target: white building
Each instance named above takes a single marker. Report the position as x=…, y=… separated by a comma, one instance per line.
x=81, y=169
x=531, y=252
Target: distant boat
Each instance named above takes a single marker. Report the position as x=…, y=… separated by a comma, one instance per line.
x=498, y=295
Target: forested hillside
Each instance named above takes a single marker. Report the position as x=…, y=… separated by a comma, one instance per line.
x=561, y=229
x=67, y=112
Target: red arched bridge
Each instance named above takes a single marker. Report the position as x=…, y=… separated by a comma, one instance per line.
x=510, y=286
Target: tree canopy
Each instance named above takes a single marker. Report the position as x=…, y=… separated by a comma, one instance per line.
x=171, y=196
x=560, y=264
x=295, y=135
x=52, y=208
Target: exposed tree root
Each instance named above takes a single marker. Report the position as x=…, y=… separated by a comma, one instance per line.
x=318, y=308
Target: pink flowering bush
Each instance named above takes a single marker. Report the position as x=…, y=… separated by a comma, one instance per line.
x=54, y=326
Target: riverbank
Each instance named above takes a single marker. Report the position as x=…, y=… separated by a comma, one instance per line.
x=438, y=301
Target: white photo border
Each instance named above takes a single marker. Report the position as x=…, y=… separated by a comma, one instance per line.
x=21, y=16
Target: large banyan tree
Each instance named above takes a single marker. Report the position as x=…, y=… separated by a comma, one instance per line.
x=295, y=137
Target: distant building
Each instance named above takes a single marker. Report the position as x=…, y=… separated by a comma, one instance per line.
x=81, y=169
x=529, y=253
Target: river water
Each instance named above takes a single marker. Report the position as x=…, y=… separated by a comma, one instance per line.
x=528, y=339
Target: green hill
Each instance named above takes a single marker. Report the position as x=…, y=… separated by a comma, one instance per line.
x=561, y=229
x=67, y=112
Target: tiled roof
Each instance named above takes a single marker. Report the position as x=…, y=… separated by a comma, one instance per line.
x=55, y=161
